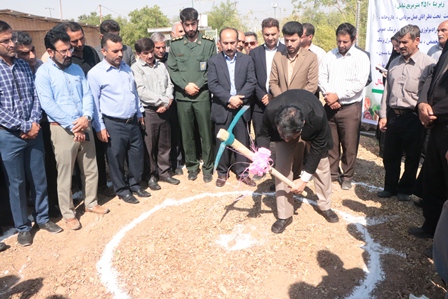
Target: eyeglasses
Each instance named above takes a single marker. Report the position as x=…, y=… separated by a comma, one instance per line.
x=8, y=41
x=65, y=52
x=250, y=43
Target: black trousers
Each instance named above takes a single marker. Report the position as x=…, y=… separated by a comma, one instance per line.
x=241, y=133
x=125, y=141
x=403, y=134
x=158, y=142
x=435, y=177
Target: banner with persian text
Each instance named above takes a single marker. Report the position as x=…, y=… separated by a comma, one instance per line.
x=385, y=17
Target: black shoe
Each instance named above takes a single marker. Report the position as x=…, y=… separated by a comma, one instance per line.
x=258, y=177
x=418, y=232
x=346, y=185
x=51, y=227
x=170, y=180
x=178, y=171
x=330, y=216
x=248, y=181
x=279, y=226
x=403, y=197
x=142, y=193
x=208, y=178
x=106, y=191
x=3, y=246
x=25, y=238
x=129, y=198
x=428, y=252
x=384, y=194
x=152, y=184
x=419, y=203
x=192, y=175
x=272, y=187
x=221, y=181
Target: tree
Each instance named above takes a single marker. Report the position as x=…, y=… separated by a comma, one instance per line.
x=225, y=15
x=93, y=18
x=327, y=15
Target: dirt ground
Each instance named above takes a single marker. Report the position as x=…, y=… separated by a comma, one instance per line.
x=195, y=240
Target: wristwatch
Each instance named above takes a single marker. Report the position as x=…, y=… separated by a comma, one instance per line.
x=88, y=117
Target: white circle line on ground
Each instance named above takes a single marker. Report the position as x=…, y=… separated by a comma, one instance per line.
x=374, y=272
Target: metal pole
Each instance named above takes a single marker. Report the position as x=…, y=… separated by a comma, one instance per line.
x=49, y=10
x=358, y=19
x=101, y=15
x=60, y=7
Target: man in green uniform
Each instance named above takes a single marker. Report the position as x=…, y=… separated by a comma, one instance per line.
x=187, y=65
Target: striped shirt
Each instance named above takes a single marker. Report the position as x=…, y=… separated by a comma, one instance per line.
x=19, y=106
x=344, y=75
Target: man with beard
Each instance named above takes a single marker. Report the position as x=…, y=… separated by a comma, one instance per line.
x=187, y=65
x=241, y=38
x=111, y=26
x=343, y=74
x=231, y=78
x=177, y=30
x=21, y=144
x=118, y=118
x=66, y=98
x=295, y=68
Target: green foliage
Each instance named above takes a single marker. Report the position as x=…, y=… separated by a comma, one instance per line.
x=93, y=18
x=225, y=15
x=327, y=15
x=137, y=26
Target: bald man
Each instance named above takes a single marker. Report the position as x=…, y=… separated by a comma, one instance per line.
x=442, y=35
x=177, y=30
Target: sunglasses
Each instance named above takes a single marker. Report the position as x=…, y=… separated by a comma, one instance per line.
x=250, y=43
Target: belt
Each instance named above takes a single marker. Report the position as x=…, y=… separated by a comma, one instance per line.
x=402, y=111
x=53, y=123
x=121, y=120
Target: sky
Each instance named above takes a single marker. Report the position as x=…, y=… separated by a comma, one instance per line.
x=73, y=9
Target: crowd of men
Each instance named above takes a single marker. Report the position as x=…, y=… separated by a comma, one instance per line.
x=150, y=113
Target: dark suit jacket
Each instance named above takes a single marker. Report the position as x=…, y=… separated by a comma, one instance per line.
x=316, y=129
x=219, y=84
x=435, y=88
x=259, y=57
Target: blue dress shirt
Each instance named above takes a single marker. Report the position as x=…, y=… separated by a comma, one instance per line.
x=114, y=92
x=19, y=106
x=231, y=68
x=64, y=94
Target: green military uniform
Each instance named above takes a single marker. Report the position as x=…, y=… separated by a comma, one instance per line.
x=187, y=62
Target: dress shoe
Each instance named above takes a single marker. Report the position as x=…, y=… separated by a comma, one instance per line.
x=129, y=198
x=25, y=238
x=98, y=210
x=418, y=232
x=106, y=191
x=403, y=197
x=51, y=227
x=170, y=180
x=153, y=185
x=72, y=223
x=346, y=185
x=279, y=226
x=330, y=216
x=208, y=178
x=428, y=252
x=248, y=181
x=258, y=177
x=419, y=203
x=142, y=193
x=221, y=181
x=178, y=171
x=192, y=175
x=3, y=246
x=384, y=194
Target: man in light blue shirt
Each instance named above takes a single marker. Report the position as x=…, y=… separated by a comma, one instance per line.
x=66, y=98
x=117, y=118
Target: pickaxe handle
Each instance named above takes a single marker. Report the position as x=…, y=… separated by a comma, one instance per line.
x=242, y=149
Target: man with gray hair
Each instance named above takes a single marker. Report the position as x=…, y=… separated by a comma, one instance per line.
x=442, y=35
x=159, y=46
x=177, y=30
x=398, y=116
